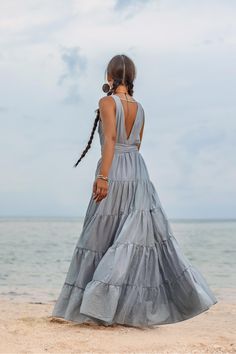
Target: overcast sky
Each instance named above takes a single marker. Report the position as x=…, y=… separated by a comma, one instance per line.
x=53, y=55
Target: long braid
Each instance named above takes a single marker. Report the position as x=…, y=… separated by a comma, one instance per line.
x=130, y=86
x=91, y=137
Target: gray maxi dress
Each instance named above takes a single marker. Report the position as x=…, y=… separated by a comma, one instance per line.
x=127, y=266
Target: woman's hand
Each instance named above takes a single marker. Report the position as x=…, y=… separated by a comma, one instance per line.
x=100, y=189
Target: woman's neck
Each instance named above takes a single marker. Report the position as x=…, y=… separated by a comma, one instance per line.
x=121, y=89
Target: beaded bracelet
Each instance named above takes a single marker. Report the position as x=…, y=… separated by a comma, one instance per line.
x=102, y=177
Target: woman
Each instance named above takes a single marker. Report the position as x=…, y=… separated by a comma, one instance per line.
x=127, y=267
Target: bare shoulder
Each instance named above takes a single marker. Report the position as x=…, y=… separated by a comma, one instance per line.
x=106, y=101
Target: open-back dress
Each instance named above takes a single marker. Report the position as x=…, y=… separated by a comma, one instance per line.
x=127, y=266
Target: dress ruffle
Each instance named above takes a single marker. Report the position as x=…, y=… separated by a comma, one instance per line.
x=133, y=284
x=128, y=267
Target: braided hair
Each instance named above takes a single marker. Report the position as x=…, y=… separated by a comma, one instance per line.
x=115, y=71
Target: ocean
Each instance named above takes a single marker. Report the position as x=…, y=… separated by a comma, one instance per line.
x=35, y=254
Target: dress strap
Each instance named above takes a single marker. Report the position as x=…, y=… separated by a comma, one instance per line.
x=119, y=129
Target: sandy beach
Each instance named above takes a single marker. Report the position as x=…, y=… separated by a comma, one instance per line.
x=28, y=327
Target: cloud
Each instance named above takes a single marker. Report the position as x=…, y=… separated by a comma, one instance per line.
x=133, y=4
x=24, y=23
x=3, y=109
x=75, y=63
x=130, y=8
x=57, y=52
x=75, y=67
x=195, y=169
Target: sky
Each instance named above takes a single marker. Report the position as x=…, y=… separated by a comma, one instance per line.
x=53, y=56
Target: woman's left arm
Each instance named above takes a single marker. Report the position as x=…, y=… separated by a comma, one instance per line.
x=107, y=110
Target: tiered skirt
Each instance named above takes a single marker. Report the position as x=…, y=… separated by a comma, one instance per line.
x=127, y=266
